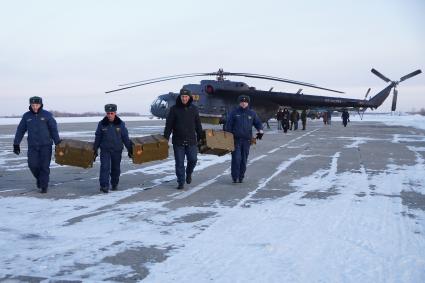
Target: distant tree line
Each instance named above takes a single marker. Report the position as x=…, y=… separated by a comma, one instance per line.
x=85, y=114
x=420, y=112
x=89, y=114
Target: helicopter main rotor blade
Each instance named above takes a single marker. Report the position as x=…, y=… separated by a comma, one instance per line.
x=380, y=75
x=165, y=77
x=285, y=81
x=269, y=77
x=412, y=74
x=220, y=73
x=151, y=82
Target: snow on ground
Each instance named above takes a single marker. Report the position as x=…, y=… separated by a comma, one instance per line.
x=355, y=235
x=415, y=121
x=358, y=231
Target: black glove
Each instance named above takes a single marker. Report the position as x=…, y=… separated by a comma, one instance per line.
x=58, y=142
x=130, y=153
x=16, y=149
x=259, y=136
x=95, y=155
x=200, y=144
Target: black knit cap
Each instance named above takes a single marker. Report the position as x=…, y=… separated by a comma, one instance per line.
x=110, y=108
x=36, y=100
x=184, y=91
x=243, y=98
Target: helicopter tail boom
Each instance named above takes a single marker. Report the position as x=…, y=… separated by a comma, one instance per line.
x=380, y=97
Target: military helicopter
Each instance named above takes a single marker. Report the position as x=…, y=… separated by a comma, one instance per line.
x=216, y=98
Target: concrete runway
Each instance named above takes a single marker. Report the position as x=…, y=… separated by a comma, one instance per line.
x=367, y=146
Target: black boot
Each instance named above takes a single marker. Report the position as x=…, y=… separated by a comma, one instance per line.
x=38, y=184
x=189, y=179
x=114, y=188
x=43, y=190
x=180, y=187
x=240, y=180
x=104, y=190
x=234, y=180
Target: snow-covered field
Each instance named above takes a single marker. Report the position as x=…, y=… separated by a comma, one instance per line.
x=416, y=121
x=362, y=230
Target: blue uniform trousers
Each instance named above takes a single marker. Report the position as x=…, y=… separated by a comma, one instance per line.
x=39, y=163
x=110, y=162
x=180, y=151
x=239, y=158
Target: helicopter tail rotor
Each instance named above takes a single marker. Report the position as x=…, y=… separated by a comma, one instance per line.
x=380, y=75
x=394, y=103
x=394, y=84
x=412, y=74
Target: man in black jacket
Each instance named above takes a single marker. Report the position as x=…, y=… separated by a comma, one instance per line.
x=184, y=122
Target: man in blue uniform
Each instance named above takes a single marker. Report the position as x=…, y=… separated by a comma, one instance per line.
x=184, y=122
x=240, y=122
x=42, y=129
x=111, y=134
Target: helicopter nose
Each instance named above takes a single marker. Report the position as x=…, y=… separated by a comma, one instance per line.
x=160, y=107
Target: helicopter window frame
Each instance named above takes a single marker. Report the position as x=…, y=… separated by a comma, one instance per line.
x=163, y=103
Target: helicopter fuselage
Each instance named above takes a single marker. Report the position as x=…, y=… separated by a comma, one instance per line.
x=215, y=99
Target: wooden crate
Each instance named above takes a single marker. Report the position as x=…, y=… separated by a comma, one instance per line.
x=149, y=148
x=75, y=153
x=217, y=142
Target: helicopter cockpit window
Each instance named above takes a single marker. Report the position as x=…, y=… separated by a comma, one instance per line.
x=156, y=102
x=159, y=102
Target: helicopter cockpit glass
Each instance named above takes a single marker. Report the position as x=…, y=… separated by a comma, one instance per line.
x=160, y=103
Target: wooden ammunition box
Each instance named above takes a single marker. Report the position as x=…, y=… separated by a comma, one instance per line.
x=149, y=148
x=217, y=142
x=75, y=153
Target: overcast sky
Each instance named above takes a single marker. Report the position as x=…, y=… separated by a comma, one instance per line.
x=71, y=52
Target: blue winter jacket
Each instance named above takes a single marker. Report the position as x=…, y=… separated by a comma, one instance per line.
x=112, y=135
x=240, y=122
x=41, y=127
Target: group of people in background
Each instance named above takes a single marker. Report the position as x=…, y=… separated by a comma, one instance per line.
x=111, y=136
x=289, y=120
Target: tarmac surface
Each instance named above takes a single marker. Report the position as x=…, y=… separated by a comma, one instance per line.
x=368, y=146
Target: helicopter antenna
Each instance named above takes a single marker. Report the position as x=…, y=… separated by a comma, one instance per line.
x=367, y=93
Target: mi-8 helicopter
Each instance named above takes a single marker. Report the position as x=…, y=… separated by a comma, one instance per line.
x=216, y=98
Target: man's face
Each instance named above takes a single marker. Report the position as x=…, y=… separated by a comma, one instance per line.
x=243, y=104
x=185, y=99
x=111, y=116
x=35, y=107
